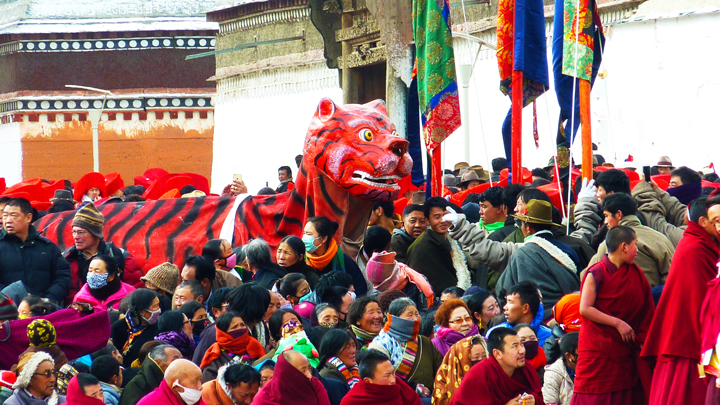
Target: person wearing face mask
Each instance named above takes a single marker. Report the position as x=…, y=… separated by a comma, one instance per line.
x=265, y=272
x=331, y=289
x=220, y=252
x=534, y=354
x=236, y=384
x=415, y=359
x=324, y=254
x=290, y=256
x=174, y=328
x=455, y=323
x=294, y=288
x=197, y=315
x=462, y=356
x=181, y=386
x=139, y=325
x=292, y=383
x=232, y=340
x=559, y=380
x=103, y=289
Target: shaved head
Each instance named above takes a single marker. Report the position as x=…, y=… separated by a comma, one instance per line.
x=185, y=372
x=299, y=361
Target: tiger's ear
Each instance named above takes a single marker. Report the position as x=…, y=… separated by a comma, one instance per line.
x=326, y=109
x=378, y=105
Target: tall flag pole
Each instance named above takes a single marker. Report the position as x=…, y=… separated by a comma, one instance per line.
x=436, y=80
x=522, y=61
x=577, y=54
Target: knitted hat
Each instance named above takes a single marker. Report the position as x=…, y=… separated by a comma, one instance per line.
x=164, y=277
x=380, y=267
x=65, y=374
x=88, y=217
x=27, y=366
x=7, y=379
x=41, y=333
x=8, y=309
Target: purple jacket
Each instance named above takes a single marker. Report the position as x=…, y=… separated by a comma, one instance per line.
x=445, y=338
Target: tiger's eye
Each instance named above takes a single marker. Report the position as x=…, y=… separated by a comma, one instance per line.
x=366, y=135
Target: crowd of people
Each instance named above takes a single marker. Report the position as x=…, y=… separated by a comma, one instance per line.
x=489, y=294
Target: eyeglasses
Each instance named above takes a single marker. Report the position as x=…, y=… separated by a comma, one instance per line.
x=79, y=233
x=49, y=373
x=460, y=321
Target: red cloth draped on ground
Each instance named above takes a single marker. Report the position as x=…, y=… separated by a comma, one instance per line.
x=487, y=384
x=363, y=393
x=606, y=364
x=291, y=387
x=95, y=334
x=674, y=336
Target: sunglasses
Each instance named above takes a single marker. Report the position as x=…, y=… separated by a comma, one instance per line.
x=460, y=321
x=49, y=373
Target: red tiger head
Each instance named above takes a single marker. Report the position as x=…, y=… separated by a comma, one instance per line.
x=358, y=148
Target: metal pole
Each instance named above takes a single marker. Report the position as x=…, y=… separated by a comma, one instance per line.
x=464, y=73
x=94, y=117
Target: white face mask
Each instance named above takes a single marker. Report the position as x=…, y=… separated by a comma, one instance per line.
x=191, y=396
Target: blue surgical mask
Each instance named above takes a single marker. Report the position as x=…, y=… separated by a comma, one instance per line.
x=96, y=281
x=309, y=242
x=353, y=295
x=306, y=296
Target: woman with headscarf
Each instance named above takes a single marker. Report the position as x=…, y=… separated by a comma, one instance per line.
x=365, y=319
x=139, y=325
x=455, y=323
x=337, y=357
x=232, y=340
x=174, y=328
x=484, y=309
x=385, y=273
x=36, y=380
x=103, y=289
x=457, y=362
x=198, y=316
x=43, y=338
x=324, y=254
x=413, y=356
x=291, y=256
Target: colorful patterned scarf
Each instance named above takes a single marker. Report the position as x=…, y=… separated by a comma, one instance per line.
x=363, y=335
x=134, y=329
x=398, y=340
x=351, y=374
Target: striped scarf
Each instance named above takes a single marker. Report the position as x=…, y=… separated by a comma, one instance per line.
x=363, y=335
x=406, y=365
x=352, y=375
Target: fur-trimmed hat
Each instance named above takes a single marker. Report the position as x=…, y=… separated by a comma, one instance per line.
x=164, y=277
x=88, y=217
x=27, y=367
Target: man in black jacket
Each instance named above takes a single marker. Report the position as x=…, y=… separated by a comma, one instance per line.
x=151, y=374
x=28, y=257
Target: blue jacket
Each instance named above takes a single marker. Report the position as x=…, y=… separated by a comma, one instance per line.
x=112, y=395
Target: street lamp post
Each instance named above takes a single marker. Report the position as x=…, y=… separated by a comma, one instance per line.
x=94, y=117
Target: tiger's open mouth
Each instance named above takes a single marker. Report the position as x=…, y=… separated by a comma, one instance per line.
x=386, y=182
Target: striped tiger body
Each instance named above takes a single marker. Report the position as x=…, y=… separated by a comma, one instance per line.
x=352, y=157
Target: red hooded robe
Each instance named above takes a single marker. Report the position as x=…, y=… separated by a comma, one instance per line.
x=487, y=384
x=291, y=387
x=363, y=393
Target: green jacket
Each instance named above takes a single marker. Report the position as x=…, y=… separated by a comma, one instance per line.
x=427, y=363
x=149, y=378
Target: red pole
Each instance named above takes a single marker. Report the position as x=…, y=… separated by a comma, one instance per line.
x=437, y=177
x=516, y=145
x=587, y=156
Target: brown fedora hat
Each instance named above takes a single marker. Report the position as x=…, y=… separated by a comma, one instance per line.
x=538, y=212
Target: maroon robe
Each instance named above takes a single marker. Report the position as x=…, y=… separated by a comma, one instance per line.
x=363, y=393
x=606, y=364
x=674, y=337
x=291, y=387
x=487, y=384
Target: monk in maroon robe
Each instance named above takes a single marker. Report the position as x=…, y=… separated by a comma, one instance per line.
x=503, y=378
x=617, y=308
x=674, y=339
x=379, y=384
x=292, y=383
